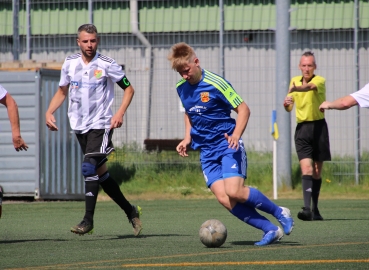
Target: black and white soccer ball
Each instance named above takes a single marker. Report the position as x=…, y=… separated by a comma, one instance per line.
x=213, y=233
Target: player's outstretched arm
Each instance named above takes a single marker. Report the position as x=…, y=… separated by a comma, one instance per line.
x=13, y=114
x=342, y=103
x=55, y=103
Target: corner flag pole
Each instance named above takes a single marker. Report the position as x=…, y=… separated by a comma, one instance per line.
x=275, y=195
x=275, y=134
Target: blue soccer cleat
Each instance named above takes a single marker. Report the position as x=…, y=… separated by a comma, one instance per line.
x=286, y=220
x=270, y=237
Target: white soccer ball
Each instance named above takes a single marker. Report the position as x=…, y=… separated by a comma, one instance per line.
x=213, y=233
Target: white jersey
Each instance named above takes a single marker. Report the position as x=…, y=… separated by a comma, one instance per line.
x=2, y=92
x=91, y=90
x=362, y=96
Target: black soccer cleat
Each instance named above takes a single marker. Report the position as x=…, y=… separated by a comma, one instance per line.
x=135, y=220
x=82, y=228
x=316, y=215
x=305, y=214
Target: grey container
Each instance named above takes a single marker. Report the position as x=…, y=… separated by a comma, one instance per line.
x=51, y=168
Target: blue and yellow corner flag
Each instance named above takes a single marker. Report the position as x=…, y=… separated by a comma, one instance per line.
x=274, y=127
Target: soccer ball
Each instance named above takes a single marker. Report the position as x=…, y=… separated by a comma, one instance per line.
x=213, y=233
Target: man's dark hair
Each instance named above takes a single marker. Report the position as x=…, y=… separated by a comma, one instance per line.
x=89, y=28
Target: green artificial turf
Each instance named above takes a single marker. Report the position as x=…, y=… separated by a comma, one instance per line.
x=36, y=236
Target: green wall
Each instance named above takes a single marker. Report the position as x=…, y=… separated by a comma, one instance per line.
x=170, y=16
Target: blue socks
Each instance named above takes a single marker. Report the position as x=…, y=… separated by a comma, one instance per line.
x=250, y=216
x=260, y=201
x=247, y=211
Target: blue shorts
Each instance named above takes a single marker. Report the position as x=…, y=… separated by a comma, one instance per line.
x=222, y=162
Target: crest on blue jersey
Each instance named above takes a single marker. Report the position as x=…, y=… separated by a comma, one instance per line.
x=205, y=97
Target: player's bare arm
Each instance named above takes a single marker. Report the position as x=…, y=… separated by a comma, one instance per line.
x=117, y=119
x=55, y=103
x=19, y=144
x=13, y=114
x=243, y=115
x=343, y=103
x=182, y=146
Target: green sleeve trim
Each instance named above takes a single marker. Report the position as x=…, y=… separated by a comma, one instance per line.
x=182, y=81
x=224, y=87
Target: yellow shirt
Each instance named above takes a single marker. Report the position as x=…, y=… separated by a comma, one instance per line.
x=307, y=103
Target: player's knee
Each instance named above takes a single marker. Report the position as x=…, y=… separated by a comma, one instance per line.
x=88, y=169
x=307, y=170
x=235, y=194
x=100, y=162
x=225, y=202
x=232, y=194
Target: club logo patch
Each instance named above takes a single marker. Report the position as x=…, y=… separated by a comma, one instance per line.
x=205, y=97
x=98, y=74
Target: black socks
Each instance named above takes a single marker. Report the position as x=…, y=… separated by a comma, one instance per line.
x=311, y=189
x=91, y=192
x=317, y=183
x=307, y=189
x=113, y=190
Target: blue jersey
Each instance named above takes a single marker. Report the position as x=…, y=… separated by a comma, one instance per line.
x=208, y=105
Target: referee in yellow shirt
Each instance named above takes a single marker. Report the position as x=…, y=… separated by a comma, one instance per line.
x=311, y=134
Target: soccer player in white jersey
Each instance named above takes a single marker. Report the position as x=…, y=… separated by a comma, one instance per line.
x=208, y=100
x=360, y=98
x=19, y=145
x=88, y=79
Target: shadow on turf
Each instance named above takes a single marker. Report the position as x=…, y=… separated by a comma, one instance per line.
x=32, y=240
x=146, y=236
x=252, y=243
x=334, y=219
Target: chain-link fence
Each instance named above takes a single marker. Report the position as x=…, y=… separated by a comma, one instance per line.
x=138, y=35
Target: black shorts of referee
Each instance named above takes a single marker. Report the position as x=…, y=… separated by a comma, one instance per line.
x=312, y=140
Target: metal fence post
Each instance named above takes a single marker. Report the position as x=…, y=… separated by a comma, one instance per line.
x=221, y=33
x=29, y=32
x=15, y=30
x=282, y=82
x=356, y=87
x=91, y=11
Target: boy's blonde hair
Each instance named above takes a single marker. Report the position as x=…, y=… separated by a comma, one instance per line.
x=180, y=55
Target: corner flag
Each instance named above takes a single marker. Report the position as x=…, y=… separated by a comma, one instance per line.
x=274, y=127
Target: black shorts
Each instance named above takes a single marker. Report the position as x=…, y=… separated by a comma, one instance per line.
x=96, y=142
x=312, y=140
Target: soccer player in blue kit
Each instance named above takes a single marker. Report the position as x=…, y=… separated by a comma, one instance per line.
x=208, y=100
